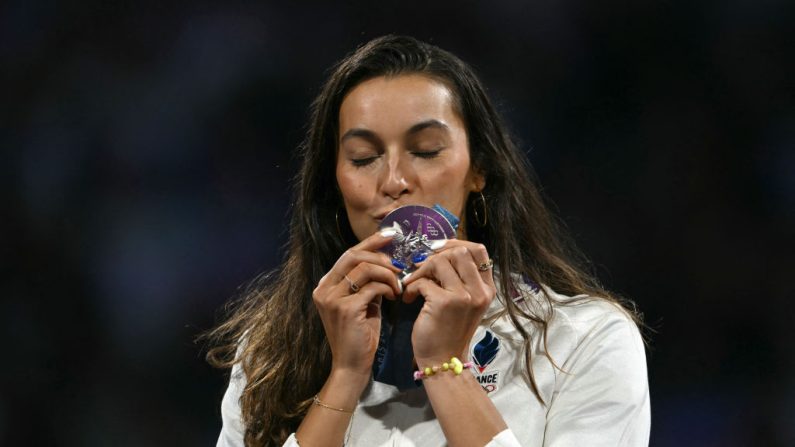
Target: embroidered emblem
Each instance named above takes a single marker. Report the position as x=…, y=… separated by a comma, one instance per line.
x=483, y=354
x=489, y=381
x=485, y=351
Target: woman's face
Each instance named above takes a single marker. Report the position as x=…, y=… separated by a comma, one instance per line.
x=400, y=144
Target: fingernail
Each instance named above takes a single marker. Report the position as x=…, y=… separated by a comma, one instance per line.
x=388, y=232
x=398, y=264
x=438, y=243
x=406, y=276
x=419, y=258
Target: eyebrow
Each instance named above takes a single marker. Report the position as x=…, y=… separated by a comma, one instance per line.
x=371, y=136
x=428, y=124
x=360, y=133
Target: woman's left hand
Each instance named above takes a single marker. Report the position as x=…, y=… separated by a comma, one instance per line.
x=457, y=294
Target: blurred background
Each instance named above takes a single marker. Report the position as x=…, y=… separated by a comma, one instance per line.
x=147, y=149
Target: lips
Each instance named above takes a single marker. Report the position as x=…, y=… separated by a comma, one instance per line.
x=380, y=216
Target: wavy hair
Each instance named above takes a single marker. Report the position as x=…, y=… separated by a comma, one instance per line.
x=273, y=329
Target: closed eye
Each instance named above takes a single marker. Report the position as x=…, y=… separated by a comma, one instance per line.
x=359, y=162
x=427, y=154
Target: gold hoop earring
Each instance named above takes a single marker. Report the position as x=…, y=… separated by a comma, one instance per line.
x=480, y=220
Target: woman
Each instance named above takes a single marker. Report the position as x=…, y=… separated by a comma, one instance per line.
x=554, y=358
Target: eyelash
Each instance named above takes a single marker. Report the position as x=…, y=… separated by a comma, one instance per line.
x=427, y=155
x=361, y=162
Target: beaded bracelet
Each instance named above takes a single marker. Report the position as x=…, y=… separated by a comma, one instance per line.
x=454, y=365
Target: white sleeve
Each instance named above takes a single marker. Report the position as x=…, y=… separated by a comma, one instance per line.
x=505, y=438
x=602, y=397
x=232, y=430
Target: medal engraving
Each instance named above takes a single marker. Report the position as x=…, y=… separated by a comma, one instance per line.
x=417, y=227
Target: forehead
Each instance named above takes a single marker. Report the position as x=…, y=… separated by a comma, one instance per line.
x=397, y=101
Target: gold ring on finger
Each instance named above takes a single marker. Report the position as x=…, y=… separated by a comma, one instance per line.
x=486, y=265
x=354, y=287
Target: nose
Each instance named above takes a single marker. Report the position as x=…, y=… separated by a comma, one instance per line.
x=396, y=177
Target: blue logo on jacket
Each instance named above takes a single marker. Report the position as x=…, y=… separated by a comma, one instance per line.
x=485, y=351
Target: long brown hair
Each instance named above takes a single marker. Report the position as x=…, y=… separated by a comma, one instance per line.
x=273, y=330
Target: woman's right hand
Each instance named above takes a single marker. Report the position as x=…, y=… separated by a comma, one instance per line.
x=348, y=299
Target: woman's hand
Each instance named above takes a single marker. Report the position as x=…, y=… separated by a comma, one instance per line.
x=456, y=294
x=348, y=299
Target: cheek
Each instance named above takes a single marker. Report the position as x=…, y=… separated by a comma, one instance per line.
x=355, y=191
x=452, y=184
x=456, y=173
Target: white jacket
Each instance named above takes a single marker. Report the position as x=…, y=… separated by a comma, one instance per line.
x=598, y=397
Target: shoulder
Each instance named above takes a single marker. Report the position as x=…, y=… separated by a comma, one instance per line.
x=571, y=331
x=589, y=364
x=601, y=355
x=592, y=327
x=575, y=318
x=587, y=316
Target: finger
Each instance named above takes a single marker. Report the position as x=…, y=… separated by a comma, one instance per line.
x=464, y=264
x=442, y=269
x=458, y=275
x=482, y=259
x=439, y=246
x=480, y=291
x=437, y=267
x=365, y=273
x=479, y=253
x=352, y=258
x=364, y=251
x=444, y=246
x=369, y=293
x=376, y=240
x=420, y=287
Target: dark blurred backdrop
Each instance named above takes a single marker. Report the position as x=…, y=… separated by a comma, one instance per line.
x=147, y=149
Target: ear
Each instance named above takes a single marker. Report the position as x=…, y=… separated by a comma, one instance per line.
x=477, y=180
